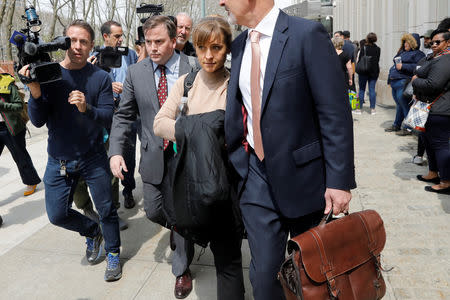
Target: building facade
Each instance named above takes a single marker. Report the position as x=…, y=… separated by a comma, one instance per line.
x=318, y=10
x=389, y=19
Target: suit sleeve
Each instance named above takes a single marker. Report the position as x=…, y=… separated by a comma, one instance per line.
x=124, y=117
x=328, y=89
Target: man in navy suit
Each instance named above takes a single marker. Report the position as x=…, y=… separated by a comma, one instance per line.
x=288, y=129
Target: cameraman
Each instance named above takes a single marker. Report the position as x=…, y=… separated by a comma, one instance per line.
x=75, y=110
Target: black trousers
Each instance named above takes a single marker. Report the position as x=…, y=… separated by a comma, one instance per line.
x=437, y=137
x=228, y=262
x=17, y=147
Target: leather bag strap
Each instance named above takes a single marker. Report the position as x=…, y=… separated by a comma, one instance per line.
x=326, y=267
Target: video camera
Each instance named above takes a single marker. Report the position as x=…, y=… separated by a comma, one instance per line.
x=34, y=52
x=152, y=9
x=110, y=57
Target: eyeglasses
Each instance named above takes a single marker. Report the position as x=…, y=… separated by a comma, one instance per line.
x=437, y=42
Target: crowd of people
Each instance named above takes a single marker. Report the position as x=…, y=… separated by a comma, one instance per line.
x=221, y=149
x=423, y=66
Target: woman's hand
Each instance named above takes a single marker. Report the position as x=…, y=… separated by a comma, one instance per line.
x=398, y=66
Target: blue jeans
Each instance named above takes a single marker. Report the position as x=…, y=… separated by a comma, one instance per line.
x=94, y=168
x=363, y=79
x=402, y=103
x=17, y=146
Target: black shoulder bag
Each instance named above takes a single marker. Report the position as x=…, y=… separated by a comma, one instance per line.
x=363, y=65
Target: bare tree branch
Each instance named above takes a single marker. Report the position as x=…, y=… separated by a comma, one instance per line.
x=9, y=25
x=2, y=10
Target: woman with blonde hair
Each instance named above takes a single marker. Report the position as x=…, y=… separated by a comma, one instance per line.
x=346, y=63
x=405, y=62
x=206, y=98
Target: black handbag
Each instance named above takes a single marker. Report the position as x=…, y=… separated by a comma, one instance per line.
x=364, y=63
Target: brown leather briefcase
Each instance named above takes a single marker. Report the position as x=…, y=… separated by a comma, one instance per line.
x=336, y=260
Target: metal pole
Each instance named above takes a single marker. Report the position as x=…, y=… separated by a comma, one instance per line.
x=203, y=8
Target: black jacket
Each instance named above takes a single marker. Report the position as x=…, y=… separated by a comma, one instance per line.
x=201, y=183
x=189, y=49
x=434, y=79
x=374, y=52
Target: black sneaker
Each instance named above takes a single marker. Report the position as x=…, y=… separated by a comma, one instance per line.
x=113, y=270
x=94, y=248
x=392, y=129
x=1, y=221
x=128, y=201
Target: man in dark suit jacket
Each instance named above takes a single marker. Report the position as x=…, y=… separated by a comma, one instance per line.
x=140, y=97
x=294, y=155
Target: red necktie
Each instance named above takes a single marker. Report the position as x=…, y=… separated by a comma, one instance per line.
x=162, y=93
x=255, y=92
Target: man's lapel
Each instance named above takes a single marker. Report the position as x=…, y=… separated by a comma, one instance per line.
x=236, y=61
x=276, y=50
x=152, y=90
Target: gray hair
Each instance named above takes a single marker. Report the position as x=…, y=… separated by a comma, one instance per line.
x=184, y=15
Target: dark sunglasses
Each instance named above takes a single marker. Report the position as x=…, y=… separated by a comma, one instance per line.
x=437, y=42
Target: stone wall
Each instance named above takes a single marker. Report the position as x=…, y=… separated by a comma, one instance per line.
x=389, y=19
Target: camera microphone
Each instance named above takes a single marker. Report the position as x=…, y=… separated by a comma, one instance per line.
x=30, y=48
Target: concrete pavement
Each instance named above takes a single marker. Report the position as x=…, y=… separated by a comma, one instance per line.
x=41, y=261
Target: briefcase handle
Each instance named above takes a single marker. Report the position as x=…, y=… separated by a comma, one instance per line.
x=329, y=217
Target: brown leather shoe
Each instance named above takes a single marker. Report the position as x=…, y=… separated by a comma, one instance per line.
x=183, y=285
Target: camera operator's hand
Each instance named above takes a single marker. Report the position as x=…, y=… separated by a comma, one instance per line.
x=117, y=164
x=117, y=87
x=92, y=59
x=77, y=98
x=35, y=87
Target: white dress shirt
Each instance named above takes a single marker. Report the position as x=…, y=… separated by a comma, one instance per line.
x=172, y=71
x=266, y=28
